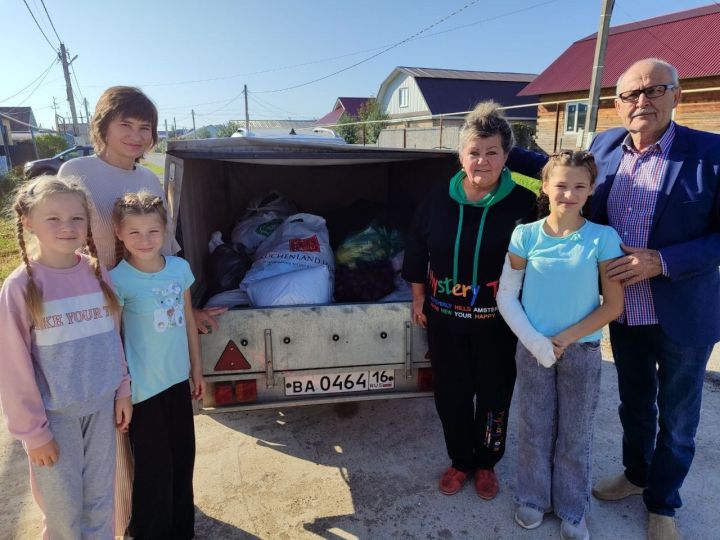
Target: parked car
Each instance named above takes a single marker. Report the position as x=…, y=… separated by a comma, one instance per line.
x=301, y=135
x=52, y=165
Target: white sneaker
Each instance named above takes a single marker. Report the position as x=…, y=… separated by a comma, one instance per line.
x=568, y=531
x=528, y=518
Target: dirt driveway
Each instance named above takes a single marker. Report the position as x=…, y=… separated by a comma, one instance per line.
x=369, y=470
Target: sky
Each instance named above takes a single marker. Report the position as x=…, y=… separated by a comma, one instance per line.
x=197, y=55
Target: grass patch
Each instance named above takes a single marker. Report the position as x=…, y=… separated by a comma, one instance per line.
x=533, y=184
x=160, y=171
x=9, y=257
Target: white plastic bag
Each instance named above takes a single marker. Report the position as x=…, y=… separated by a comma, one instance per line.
x=262, y=216
x=300, y=242
x=309, y=286
x=254, y=230
x=215, y=241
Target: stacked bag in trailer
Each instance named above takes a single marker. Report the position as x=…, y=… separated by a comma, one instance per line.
x=293, y=266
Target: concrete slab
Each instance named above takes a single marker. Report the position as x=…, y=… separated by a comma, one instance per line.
x=369, y=470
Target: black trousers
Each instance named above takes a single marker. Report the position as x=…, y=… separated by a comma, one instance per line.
x=473, y=379
x=162, y=437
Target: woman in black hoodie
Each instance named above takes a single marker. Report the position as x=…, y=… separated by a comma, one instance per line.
x=453, y=259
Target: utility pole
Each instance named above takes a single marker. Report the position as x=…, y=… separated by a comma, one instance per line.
x=55, y=110
x=32, y=136
x=167, y=133
x=68, y=86
x=247, y=114
x=87, y=114
x=175, y=127
x=598, y=65
x=193, y=117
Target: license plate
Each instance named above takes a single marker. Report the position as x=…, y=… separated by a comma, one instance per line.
x=331, y=383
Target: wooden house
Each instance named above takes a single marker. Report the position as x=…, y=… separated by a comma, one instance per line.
x=689, y=40
x=411, y=92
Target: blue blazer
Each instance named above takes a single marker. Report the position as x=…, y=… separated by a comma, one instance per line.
x=685, y=228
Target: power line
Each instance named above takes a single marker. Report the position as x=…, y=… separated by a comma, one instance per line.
x=77, y=84
x=261, y=72
x=33, y=82
x=322, y=60
x=383, y=48
x=38, y=25
x=488, y=19
x=37, y=128
x=39, y=84
x=393, y=46
x=269, y=106
x=50, y=19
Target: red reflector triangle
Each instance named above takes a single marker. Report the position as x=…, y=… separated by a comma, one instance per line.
x=231, y=359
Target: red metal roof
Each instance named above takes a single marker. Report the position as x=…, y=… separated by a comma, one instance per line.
x=689, y=40
x=343, y=105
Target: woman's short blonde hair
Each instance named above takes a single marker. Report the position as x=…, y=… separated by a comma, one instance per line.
x=486, y=120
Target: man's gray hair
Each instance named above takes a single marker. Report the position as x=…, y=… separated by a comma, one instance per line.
x=672, y=71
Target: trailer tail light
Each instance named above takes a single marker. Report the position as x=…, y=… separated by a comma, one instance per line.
x=425, y=379
x=246, y=390
x=224, y=394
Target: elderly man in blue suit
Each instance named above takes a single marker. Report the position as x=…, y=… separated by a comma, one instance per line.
x=659, y=187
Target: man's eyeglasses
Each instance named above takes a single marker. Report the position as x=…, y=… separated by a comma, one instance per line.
x=651, y=92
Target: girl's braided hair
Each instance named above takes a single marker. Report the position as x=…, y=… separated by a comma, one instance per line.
x=135, y=204
x=27, y=197
x=566, y=158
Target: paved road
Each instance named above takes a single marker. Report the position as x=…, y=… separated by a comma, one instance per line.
x=156, y=159
x=369, y=470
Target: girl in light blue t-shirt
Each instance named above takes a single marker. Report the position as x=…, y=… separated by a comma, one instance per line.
x=163, y=352
x=557, y=262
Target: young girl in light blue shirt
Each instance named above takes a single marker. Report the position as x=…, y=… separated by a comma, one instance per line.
x=163, y=351
x=558, y=262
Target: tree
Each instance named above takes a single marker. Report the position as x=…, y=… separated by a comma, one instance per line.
x=226, y=130
x=49, y=144
x=524, y=135
x=349, y=133
x=370, y=111
x=203, y=133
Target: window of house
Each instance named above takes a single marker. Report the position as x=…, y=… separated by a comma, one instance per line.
x=575, y=114
x=403, y=97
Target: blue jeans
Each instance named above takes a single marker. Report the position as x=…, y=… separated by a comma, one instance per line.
x=556, y=409
x=657, y=375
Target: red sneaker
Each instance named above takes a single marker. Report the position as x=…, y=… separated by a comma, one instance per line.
x=452, y=481
x=486, y=484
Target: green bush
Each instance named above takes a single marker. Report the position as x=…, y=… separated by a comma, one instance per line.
x=49, y=144
x=371, y=110
x=226, y=130
x=525, y=135
x=349, y=133
x=9, y=183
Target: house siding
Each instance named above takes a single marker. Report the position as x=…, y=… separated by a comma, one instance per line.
x=416, y=102
x=696, y=110
x=701, y=110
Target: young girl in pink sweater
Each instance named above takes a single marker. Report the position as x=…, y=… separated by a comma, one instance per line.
x=64, y=382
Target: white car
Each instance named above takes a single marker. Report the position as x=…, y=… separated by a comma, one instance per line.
x=317, y=134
